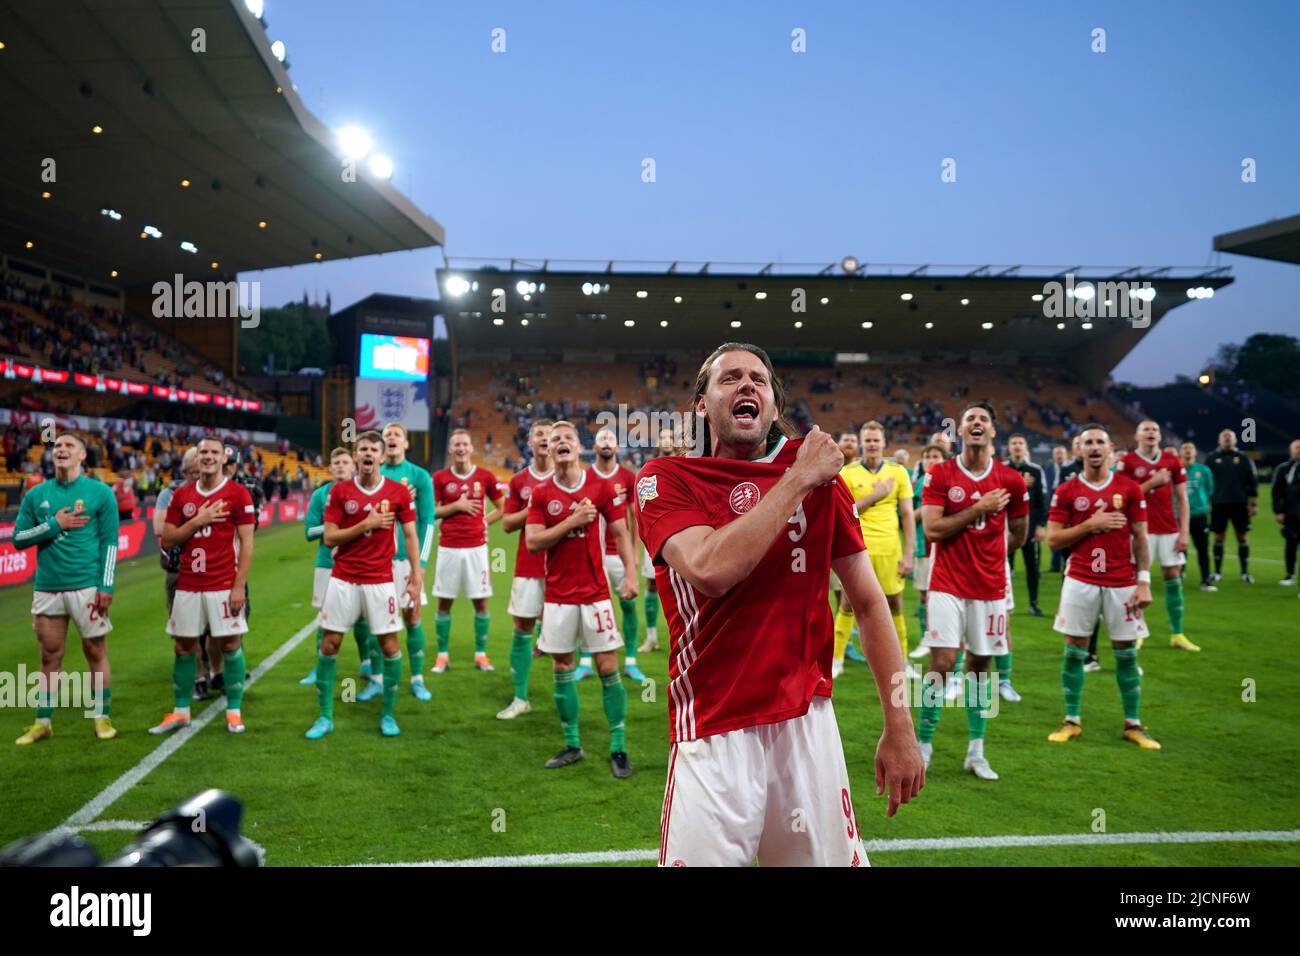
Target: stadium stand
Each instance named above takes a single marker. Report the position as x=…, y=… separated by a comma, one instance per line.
x=495, y=403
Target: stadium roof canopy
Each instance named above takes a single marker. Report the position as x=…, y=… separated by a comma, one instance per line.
x=227, y=120
x=909, y=313
x=1276, y=239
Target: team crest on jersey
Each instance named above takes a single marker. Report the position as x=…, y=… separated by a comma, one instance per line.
x=1140, y=471
x=744, y=496
x=478, y=488
x=526, y=492
x=1081, y=503
x=451, y=487
x=956, y=494
x=189, y=509
x=350, y=506
x=553, y=508
x=647, y=488
x=1117, y=502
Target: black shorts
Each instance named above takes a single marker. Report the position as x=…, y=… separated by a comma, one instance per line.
x=1221, y=514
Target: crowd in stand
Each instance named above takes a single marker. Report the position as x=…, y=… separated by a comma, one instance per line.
x=117, y=345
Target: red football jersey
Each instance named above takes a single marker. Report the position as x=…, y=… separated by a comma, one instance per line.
x=972, y=564
x=527, y=564
x=1105, y=558
x=465, y=530
x=622, y=479
x=209, y=557
x=1160, y=501
x=575, y=567
x=369, y=558
x=759, y=653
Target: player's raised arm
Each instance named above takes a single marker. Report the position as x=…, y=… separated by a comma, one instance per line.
x=375, y=520
x=538, y=537
x=314, y=526
x=899, y=766
x=209, y=512
x=28, y=531
x=713, y=560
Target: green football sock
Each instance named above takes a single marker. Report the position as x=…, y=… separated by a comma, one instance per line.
x=392, y=679
x=615, y=697
x=920, y=614
x=1072, y=679
x=1129, y=680
x=521, y=661
x=977, y=699
x=631, y=628
x=45, y=705
x=481, y=622
x=415, y=641
x=1003, y=664
x=1174, y=604
x=184, y=666
x=566, y=705
x=236, y=669
x=652, y=608
x=361, y=634
x=104, y=703
x=959, y=664
x=442, y=628
x=537, y=630
x=320, y=636
x=326, y=665
x=931, y=707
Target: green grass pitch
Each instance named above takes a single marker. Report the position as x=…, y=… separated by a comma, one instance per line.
x=459, y=784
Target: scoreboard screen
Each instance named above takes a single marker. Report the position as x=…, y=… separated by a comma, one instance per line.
x=394, y=357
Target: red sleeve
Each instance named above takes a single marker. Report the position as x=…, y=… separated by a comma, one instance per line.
x=334, y=506
x=846, y=531
x=514, y=502
x=1179, y=474
x=1119, y=465
x=1137, y=505
x=934, y=490
x=491, y=486
x=536, y=507
x=614, y=507
x=174, y=515
x=665, y=505
x=1018, y=507
x=1059, y=510
x=405, y=510
x=245, y=513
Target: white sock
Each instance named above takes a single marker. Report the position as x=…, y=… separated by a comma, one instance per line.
x=183, y=711
x=417, y=678
x=927, y=750
x=630, y=661
x=44, y=721
x=975, y=748
x=652, y=633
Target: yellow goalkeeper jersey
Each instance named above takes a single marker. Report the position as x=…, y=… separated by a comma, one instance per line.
x=880, y=521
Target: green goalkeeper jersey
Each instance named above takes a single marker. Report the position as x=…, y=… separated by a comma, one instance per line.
x=419, y=483
x=315, y=525
x=84, y=557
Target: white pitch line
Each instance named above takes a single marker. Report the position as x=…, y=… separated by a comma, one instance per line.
x=109, y=795
x=895, y=846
